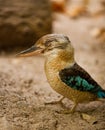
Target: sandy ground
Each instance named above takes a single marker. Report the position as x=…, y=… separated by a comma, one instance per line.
x=24, y=89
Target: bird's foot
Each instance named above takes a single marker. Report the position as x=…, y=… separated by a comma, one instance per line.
x=56, y=102
x=65, y=111
x=72, y=110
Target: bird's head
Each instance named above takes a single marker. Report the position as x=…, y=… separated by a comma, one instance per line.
x=51, y=44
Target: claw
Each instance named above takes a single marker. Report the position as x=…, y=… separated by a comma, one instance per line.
x=72, y=110
x=56, y=102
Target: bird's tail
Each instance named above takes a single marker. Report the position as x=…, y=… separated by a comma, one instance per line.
x=101, y=93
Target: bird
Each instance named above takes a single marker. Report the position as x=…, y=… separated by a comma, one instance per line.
x=63, y=73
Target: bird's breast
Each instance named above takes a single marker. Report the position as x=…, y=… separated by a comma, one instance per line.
x=52, y=69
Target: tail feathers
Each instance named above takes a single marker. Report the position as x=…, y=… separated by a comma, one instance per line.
x=101, y=94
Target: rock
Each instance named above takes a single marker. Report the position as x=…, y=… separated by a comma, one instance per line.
x=23, y=22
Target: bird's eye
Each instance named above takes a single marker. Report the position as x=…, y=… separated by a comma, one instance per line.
x=48, y=43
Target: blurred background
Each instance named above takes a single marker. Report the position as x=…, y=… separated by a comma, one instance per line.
x=23, y=84
x=23, y=22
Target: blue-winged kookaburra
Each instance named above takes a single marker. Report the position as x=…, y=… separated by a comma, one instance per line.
x=64, y=75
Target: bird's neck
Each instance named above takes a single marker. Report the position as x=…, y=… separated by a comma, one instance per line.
x=60, y=61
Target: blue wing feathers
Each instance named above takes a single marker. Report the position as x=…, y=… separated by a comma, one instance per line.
x=101, y=94
x=77, y=78
x=79, y=83
x=82, y=85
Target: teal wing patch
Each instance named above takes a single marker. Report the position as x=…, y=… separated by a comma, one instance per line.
x=76, y=82
x=77, y=78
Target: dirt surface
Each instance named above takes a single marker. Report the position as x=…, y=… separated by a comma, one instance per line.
x=24, y=89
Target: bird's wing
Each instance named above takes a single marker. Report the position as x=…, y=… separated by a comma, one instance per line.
x=77, y=78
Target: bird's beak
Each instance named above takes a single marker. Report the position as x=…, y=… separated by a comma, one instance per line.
x=34, y=50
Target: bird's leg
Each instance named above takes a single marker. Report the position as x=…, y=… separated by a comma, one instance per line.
x=56, y=102
x=72, y=110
